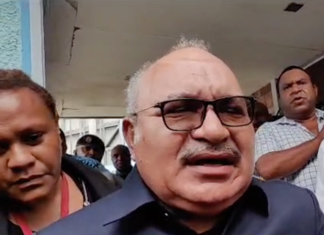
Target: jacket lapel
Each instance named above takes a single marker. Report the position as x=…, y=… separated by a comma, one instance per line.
x=3, y=224
x=99, y=185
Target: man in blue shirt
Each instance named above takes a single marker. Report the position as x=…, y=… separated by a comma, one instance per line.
x=189, y=128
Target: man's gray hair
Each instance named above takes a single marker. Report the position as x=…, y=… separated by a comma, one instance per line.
x=132, y=90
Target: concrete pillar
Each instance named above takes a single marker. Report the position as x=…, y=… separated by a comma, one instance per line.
x=93, y=126
x=121, y=134
x=21, y=37
x=274, y=96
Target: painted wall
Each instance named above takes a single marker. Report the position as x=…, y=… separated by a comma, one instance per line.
x=14, y=35
x=21, y=37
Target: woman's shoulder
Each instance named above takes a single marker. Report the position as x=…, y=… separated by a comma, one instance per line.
x=92, y=176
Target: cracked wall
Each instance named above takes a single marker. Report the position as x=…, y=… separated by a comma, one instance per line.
x=59, y=27
x=10, y=34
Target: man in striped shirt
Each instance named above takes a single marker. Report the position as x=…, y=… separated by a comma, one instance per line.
x=287, y=148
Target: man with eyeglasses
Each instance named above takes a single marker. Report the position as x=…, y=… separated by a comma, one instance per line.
x=189, y=130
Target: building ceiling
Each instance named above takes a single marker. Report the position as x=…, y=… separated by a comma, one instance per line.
x=92, y=46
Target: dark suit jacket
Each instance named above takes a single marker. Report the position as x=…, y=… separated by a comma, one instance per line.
x=97, y=184
x=267, y=208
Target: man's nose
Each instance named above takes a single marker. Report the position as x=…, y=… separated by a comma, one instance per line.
x=212, y=130
x=295, y=89
x=20, y=157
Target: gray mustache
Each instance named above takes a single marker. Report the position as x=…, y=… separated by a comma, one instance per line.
x=223, y=148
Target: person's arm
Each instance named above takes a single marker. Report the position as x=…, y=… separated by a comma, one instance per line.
x=272, y=162
x=279, y=164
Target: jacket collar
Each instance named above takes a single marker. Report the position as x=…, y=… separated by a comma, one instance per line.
x=3, y=224
x=132, y=196
x=135, y=194
x=97, y=183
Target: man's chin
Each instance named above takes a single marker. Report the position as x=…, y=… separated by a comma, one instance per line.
x=211, y=197
x=206, y=202
x=303, y=107
x=205, y=207
x=205, y=196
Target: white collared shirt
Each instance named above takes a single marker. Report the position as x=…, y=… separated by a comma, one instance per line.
x=285, y=134
x=320, y=176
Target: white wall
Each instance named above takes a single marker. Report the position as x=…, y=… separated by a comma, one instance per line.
x=103, y=128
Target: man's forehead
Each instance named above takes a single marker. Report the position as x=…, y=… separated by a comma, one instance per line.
x=294, y=74
x=116, y=150
x=183, y=68
x=190, y=77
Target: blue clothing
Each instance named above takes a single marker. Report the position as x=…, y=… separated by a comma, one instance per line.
x=267, y=208
x=90, y=162
x=94, y=164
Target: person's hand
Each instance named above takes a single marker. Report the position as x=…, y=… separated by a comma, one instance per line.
x=320, y=135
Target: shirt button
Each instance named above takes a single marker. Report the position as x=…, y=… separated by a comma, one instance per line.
x=166, y=214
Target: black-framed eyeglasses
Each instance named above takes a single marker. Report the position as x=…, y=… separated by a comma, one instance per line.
x=189, y=114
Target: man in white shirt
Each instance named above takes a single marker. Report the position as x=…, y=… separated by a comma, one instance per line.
x=320, y=176
x=287, y=148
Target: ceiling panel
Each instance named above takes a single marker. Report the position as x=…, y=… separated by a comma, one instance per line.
x=128, y=52
x=209, y=19
x=255, y=38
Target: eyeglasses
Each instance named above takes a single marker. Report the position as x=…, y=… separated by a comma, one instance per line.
x=189, y=114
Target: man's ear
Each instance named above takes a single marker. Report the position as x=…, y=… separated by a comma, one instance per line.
x=129, y=132
x=315, y=89
x=280, y=102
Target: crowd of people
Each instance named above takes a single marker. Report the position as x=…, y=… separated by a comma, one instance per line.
x=209, y=159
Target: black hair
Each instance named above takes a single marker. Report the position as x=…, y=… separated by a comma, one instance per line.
x=261, y=109
x=62, y=135
x=14, y=79
x=291, y=67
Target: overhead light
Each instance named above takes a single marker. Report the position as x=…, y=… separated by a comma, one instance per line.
x=294, y=7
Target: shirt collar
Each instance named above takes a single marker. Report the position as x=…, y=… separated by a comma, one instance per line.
x=319, y=114
x=135, y=195
x=256, y=197
x=284, y=120
x=131, y=197
x=124, y=172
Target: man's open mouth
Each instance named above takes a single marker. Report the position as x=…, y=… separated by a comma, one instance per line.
x=213, y=160
x=297, y=99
